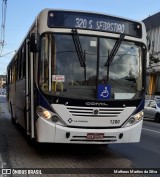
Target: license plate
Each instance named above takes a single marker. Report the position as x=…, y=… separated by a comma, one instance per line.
x=92, y=136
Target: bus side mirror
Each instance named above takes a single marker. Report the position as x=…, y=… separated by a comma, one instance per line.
x=33, y=43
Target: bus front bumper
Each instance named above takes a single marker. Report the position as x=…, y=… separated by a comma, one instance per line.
x=51, y=133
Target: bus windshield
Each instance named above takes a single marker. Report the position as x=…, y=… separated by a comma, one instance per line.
x=62, y=74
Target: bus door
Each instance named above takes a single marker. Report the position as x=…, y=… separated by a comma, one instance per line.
x=12, y=88
x=29, y=91
x=28, y=129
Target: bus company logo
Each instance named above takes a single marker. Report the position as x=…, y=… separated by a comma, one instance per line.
x=95, y=104
x=70, y=120
x=95, y=111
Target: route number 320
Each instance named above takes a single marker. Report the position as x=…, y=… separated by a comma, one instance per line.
x=83, y=23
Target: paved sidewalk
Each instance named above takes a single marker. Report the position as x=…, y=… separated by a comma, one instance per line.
x=1, y=162
x=3, y=145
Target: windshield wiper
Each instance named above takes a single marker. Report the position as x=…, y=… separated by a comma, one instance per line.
x=78, y=47
x=80, y=53
x=113, y=52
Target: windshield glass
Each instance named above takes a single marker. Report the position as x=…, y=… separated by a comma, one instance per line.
x=61, y=73
x=125, y=71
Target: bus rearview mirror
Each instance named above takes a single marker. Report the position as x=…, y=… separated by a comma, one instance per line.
x=33, y=43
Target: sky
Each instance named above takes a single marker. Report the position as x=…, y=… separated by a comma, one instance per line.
x=21, y=14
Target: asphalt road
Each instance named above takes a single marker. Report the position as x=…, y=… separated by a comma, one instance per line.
x=15, y=152
x=2, y=98
x=145, y=154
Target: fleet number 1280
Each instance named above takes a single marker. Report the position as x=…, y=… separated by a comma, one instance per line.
x=115, y=121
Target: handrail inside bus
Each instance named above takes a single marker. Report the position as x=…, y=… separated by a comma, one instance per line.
x=55, y=86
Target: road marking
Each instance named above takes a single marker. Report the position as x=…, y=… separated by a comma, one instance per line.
x=150, y=130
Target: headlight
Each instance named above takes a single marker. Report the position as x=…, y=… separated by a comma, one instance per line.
x=55, y=118
x=49, y=116
x=134, y=119
x=139, y=116
x=44, y=113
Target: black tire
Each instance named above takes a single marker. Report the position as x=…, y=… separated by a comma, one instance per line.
x=31, y=142
x=157, y=117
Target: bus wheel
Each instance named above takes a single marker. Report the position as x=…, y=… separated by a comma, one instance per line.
x=31, y=142
x=157, y=117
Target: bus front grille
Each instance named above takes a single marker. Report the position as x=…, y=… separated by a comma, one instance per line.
x=96, y=112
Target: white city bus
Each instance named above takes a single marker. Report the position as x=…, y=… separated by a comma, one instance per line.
x=79, y=77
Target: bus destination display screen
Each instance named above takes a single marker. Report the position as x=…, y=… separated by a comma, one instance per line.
x=93, y=22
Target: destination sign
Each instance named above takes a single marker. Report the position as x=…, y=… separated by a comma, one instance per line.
x=94, y=22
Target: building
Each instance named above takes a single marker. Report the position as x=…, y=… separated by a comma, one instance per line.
x=152, y=24
x=2, y=80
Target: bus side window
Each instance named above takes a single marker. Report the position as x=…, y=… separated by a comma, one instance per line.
x=44, y=63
